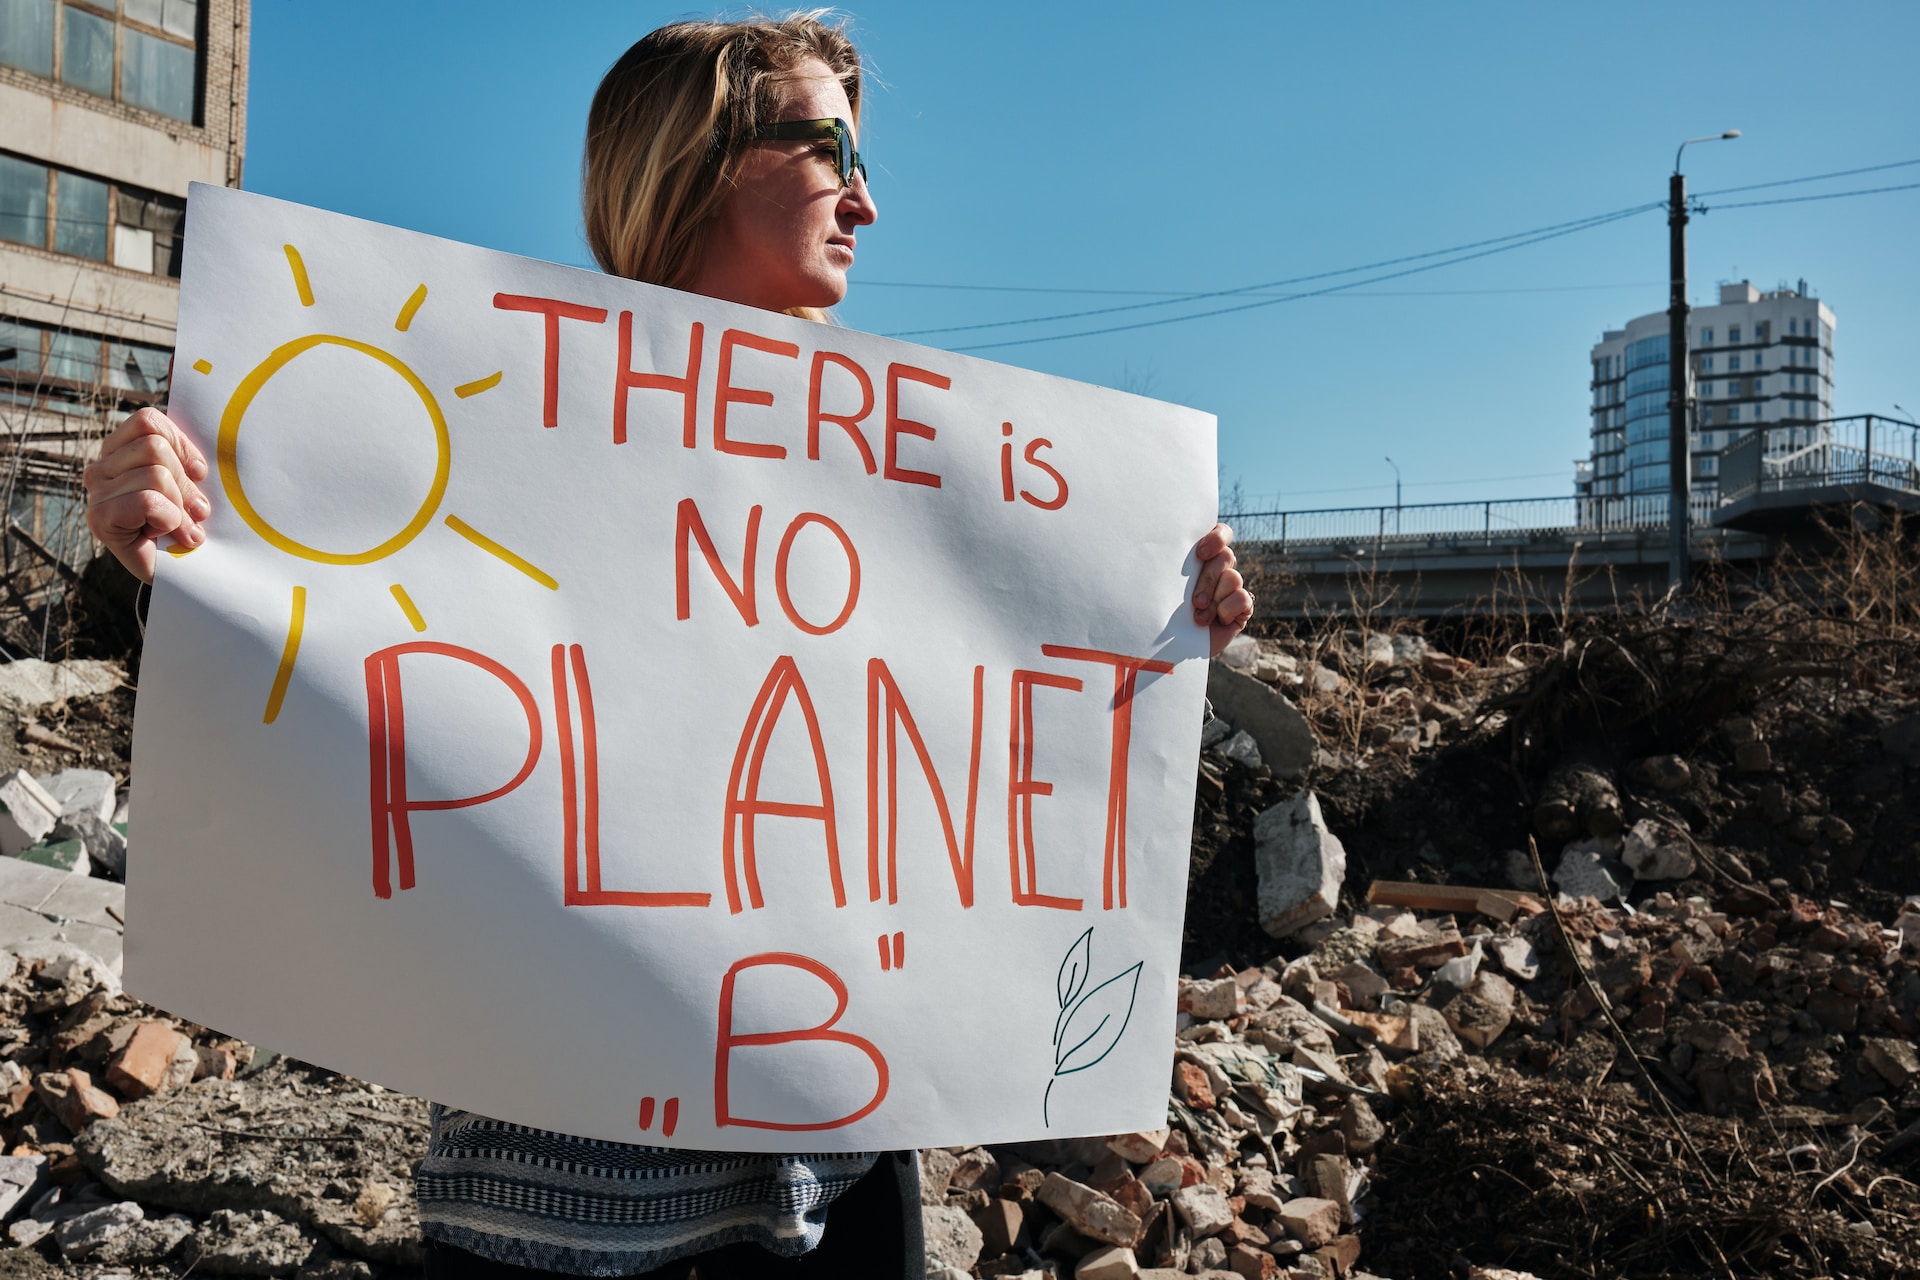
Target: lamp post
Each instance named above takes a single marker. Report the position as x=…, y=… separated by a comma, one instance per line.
x=1679, y=445
x=1396, y=494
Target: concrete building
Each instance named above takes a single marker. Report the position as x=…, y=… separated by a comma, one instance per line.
x=108, y=109
x=1757, y=358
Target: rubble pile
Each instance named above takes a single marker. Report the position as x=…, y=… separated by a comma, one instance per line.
x=136, y=1140
x=1590, y=956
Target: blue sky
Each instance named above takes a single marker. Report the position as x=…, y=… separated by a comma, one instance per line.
x=1121, y=149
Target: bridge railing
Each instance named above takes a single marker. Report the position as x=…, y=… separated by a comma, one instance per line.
x=1862, y=449
x=1460, y=523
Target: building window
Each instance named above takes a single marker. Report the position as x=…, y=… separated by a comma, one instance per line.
x=89, y=217
x=1708, y=364
x=1706, y=337
x=1733, y=413
x=1733, y=362
x=1733, y=333
x=143, y=52
x=1706, y=389
x=62, y=362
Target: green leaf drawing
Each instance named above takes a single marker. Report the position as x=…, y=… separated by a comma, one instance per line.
x=1073, y=970
x=1096, y=1022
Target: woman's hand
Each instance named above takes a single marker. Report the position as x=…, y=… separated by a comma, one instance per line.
x=143, y=488
x=1221, y=601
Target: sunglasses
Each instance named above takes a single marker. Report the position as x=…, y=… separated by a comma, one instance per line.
x=846, y=160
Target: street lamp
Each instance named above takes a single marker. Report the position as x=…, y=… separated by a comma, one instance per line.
x=1679, y=450
x=1396, y=494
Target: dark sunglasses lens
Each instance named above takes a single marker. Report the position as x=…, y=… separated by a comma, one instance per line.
x=845, y=155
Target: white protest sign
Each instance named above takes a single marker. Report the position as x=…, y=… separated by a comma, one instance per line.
x=655, y=719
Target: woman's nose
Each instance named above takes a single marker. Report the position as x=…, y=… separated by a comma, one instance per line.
x=856, y=200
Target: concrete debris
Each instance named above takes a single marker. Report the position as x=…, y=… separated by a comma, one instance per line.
x=1654, y=850
x=80, y=1235
x=1283, y=735
x=952, y=1238
x=27, y=684
x=27, y=812
x=1301, y=865
x=1592, y=869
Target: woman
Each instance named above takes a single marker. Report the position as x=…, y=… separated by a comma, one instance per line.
x=720, y=160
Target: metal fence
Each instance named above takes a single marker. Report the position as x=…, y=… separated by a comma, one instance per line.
x=1863, y=449
x=1460, y=523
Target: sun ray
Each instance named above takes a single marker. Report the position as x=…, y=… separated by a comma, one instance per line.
x=203, y=366
x=478, y=385
x=494, y=549
x=300, y=280
x=284, y=675
x=413, y=305
x=406, y=607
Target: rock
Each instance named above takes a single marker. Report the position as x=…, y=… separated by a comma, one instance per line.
x=251, y=1242
x=82, y=791
x=151, y=1242
x=1753, y=757
x=1300, y=865
x=1435, y=1036
x=74, y=1099
x=28, y=683
x=79, y=1236
x=952, y=1238
x=1212, y=998
x=1191, y=1086
x=1311, y=1220
x=1110, y=1263
x=1000, y=1223
x=1214, y=732
x=1140, y=1148
x=1455, y=976
x=936, y=1171
x=1242, y=653
x=1276, y=668
x=1578, y=799
x=976, y=1169
x=1204, y=1208
x=69, y=856
x=105, y=845
x=1250, y=1263
x=146, y=1064
x=1361, y=1128
x=1091, y=1213
x=1663, y=773
x=170, y=1151
x=1518, y=957
x=1586, y=870
x=1654, y=851
x=1242, y=750
x=1479, y=1014
x=1426, y=948
x=1285, y=738
x=27, y=812
x=1895, y=1060
x=22, y=1178
x=1163, y=1177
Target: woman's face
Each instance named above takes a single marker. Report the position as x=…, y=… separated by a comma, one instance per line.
x=784, y=237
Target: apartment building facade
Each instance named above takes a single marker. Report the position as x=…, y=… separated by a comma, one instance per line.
x=1756, y=358
x=108, y=110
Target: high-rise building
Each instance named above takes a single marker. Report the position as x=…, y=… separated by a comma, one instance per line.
x=1757, y=358
x=108, y=109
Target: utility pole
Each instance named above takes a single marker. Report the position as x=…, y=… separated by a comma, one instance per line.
x=1679, y=446
x=1679, y=383
x=1396, y=494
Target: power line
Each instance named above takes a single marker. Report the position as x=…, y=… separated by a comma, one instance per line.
x=1188, y=294
x=1314, y=293
x=1831, y=195
x=1818, y=177
x=1579, y=224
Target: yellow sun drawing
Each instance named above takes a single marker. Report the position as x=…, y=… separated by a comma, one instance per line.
x=227, y=449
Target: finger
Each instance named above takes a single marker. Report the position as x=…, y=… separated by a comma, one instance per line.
x=150, y=421
x=141, y=454
x=1216, y=540
x=131, y=524
x=1230, y=582
x=1236, y=611
x=1206, y=591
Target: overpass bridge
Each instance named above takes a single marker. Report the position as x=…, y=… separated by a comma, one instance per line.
x=1779, y=487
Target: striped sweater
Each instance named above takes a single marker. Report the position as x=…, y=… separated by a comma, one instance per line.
x=532, y=1198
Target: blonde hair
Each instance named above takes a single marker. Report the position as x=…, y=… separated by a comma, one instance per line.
x=670, y=124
